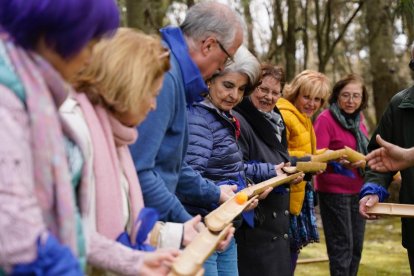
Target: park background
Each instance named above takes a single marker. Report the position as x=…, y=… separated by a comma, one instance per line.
x=372, y=38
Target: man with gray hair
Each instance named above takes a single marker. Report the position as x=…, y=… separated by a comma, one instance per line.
x=208, y=38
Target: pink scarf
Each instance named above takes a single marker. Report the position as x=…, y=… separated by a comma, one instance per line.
x=110, y=141
x=45, y=91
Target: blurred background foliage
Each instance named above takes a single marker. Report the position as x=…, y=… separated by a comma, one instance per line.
x=336, y=37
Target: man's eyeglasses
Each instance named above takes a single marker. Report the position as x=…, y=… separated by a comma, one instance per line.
x=353, y=97
x=229, y=59
x=267, y=91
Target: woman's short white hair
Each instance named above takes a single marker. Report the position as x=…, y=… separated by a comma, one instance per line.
x=246, y=63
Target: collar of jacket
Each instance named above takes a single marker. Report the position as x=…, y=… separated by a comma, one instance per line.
x=284, y=104
x=408, y=99
x=207, y=104
x=194, y=83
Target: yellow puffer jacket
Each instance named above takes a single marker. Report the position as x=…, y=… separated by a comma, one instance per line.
x=301, y=141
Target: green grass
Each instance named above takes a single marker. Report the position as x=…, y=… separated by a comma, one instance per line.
x=383, y=253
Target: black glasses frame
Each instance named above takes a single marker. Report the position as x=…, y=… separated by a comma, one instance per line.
x=225, y=51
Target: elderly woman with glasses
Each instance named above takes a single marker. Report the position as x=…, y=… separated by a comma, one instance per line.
x=339, y=126
x=302, y=98
x=265, y=250
x=213, y=150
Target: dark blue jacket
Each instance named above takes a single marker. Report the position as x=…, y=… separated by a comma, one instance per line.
x=160, y=149
x=213, y=150
x=264, y=249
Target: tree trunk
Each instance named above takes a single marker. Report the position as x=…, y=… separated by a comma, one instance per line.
x=381, y=53
x=275, y=54
x=290, y=49
x=189, y=3
x=305, y=37
x=146, y=15
x=249, y=23
x=330, y=31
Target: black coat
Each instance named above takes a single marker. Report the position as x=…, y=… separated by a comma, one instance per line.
x=396, y=126
x=265, y=249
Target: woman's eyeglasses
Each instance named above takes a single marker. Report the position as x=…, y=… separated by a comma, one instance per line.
x=352, y=97
x=267, y=91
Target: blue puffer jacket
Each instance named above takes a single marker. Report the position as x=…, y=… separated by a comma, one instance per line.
x=213, y=150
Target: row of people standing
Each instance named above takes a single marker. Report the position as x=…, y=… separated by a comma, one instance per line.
x=264, y=134
x=103, y=119
x=213, y=150
x=74, y=209
x=342, y=124
x=304, y=96
x=98, y=124
x=83, y=205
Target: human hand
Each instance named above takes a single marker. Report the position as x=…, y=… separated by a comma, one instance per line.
x=298, y=179
x=389, y=157
x=278, y=168
x=253, y=204
x=358, y=164
x=265, y=193
x=366, y=202
x=191, y=229
x=158, y=262
x=347, y=164
x=225, y=243
x=226, y=192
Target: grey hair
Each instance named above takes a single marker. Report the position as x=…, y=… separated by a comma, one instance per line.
x=212, y=18
x=245, y=63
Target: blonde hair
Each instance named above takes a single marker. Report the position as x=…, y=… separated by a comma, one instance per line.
x=310, y=83
x=123, y=69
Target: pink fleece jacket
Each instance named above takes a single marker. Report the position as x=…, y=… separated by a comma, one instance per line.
x=330, y=134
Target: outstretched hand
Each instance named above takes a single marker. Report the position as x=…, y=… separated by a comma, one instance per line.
x=365, y=203
x=158, y=262
x=226, y=192
x=347, y=164
x=389, y=157
x=225, y=243
x=298, y=179
x=278, y=168
x=191, y=229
